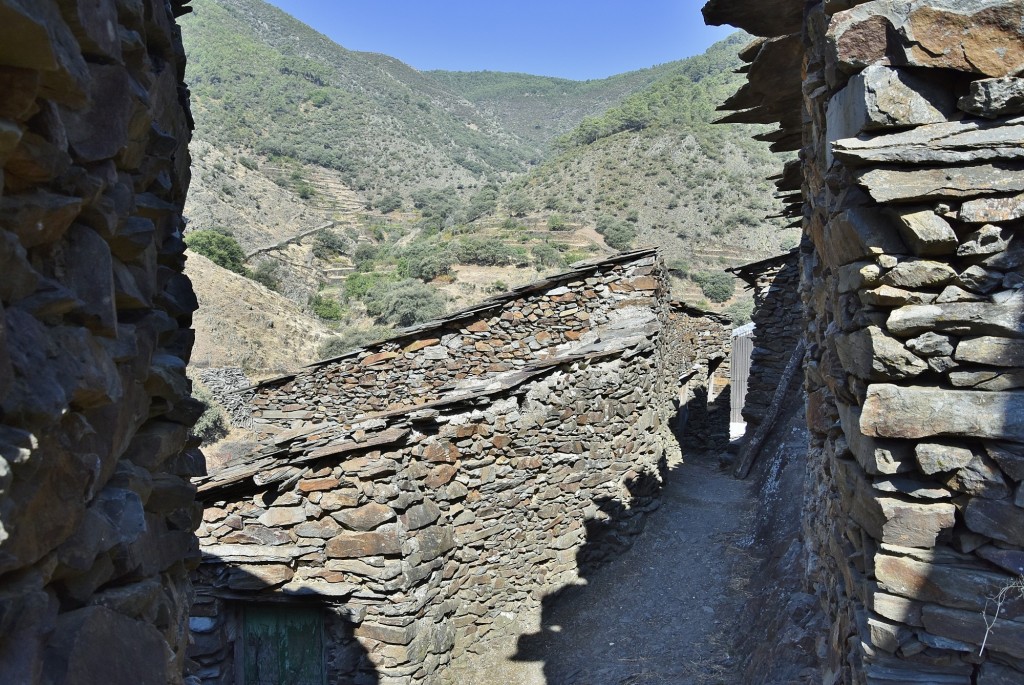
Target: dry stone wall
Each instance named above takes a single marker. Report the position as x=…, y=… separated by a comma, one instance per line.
x=96, y=510
x=698, y=363
x=421, y=531
x=778, y=326
x=908, y=123
x=503, y=335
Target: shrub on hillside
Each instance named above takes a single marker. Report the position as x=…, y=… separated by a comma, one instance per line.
x=482, y=203
x=213, y=424
x=352, y=338
x=405, y=304
x=717, y=286
x=519, y=204
x=425, y=260
x=739, y=312
x=490, y=252
x=618, y=234
x=220, y=247
x=387, y=203
x=328, y=244
x=267, y=272
x=546, y=255
x=359, y=285
x=557, y=222
x=326, y=307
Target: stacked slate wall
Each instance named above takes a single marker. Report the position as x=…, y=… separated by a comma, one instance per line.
x=778, y=326
x=699, y=364
x=908, y=121
x=430, y=361
x=96, y=511
x=423, y=531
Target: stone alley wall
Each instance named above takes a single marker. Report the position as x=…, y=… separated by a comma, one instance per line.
x=778, y=320
x=96, y=512
x=516, y=443
x=907, y=119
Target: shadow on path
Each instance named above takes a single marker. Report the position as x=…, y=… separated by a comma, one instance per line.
x=656, y=614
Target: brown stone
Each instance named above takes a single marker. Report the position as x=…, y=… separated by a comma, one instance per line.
x=366, y=517
x=420, y=344
x=949, y=585
x=645, y=283
x=377, y=358
x=378, y=543
x=478, y=327
x=971, y=35
x=24, y=39
x=283, y=516
x=440, y=451
x=317, y=484
x=257, y=576
x=440, y=475
x=338, y=499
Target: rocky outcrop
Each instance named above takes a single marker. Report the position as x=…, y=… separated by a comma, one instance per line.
x=909, y=138
x=96, y=511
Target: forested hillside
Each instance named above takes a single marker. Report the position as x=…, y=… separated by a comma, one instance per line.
x=262, y=81
x=373, y=196
x=539, y=109
x=656, y=170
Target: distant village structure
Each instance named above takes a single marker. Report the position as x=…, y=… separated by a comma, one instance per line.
x=405, y=496
x=906, y=118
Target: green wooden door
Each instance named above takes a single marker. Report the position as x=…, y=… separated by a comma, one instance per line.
x=283, y=646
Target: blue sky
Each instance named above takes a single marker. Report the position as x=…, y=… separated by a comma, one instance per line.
x=577, y=39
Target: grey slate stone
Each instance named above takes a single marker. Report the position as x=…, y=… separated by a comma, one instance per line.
x=926, y=233
x=886, y=184
x=994, y=97
x=891, y=411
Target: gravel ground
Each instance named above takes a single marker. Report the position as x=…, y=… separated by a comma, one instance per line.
x=663, y=613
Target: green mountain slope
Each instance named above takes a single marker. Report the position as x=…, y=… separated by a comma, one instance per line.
x=539, y=109
x=263, y=81
x=655, y=166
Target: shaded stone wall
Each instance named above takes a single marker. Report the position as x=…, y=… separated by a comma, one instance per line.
x=778, y=320
x=96, y=512
x=424, y=530
x=698, y=363
x=907, y=119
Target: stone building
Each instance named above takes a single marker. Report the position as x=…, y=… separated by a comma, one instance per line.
x=906, y=118
x=778, y=326
x=411, y=497
x=96, y=510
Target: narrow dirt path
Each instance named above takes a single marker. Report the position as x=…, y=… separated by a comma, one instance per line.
x=662, y=613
